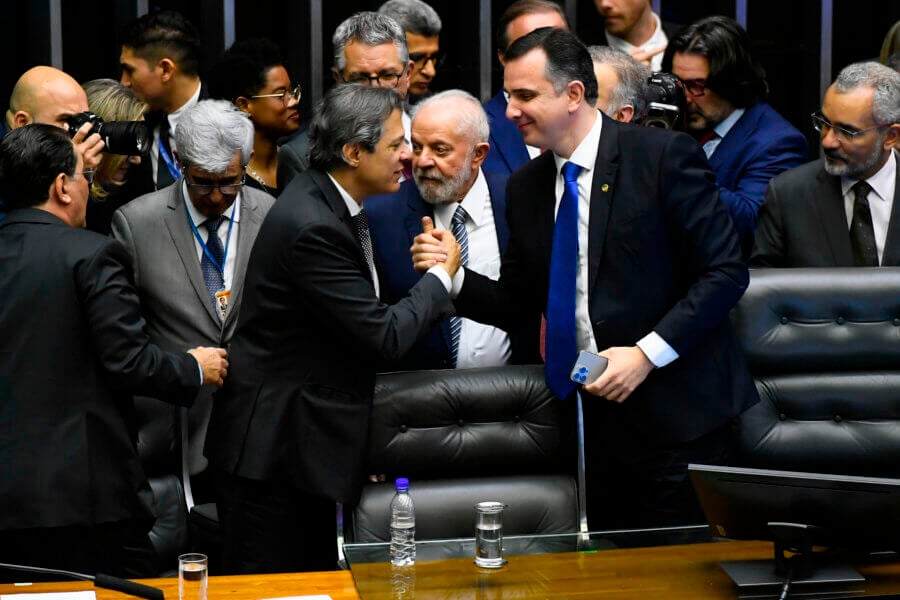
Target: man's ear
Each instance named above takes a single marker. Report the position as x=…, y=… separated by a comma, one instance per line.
x=479, y=153
x=350, y=152
x=21, y=119
x=575, y=95
x=168, y=68
x=892, y=136
x=336, y=74
x=58, y=193
x=624, y=114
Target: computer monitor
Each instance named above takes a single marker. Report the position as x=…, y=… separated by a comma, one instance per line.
x=797, y=510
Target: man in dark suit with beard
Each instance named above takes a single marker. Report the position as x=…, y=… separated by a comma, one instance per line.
x=290, y=430
x=72, y=352
x=619, y=237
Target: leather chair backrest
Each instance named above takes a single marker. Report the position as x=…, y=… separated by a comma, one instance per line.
x=824, y=349
x=465, y=436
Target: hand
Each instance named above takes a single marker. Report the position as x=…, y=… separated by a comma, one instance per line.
x=644, y=56
x=628, y=367
x=213, y=363
x=89, y=146
x=427, y=250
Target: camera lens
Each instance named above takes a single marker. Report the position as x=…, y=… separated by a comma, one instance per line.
x=125, y=137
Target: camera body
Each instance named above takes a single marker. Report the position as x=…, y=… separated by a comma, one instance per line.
x=667, y=103
x=120, y=137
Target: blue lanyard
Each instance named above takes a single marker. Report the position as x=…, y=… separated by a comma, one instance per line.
x=174, y=170
x=212, y=259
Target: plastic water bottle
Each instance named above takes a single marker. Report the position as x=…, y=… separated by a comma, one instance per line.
x=403, y=525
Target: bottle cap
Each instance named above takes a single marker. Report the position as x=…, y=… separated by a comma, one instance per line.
x=402, y=484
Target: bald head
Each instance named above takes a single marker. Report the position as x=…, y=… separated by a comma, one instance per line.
x=45, y=95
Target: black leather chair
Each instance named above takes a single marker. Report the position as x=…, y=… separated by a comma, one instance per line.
x=465, y=436
x=824, y=349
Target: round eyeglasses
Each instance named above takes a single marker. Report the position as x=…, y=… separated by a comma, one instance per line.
x=285, y=96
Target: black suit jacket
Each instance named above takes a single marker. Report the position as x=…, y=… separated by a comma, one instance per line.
x=663, y=256
x=72, y=351
x=802, y=222
x=295, y=408
x=395, y=220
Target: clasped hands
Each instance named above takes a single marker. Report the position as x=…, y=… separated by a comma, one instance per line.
x=435, y=247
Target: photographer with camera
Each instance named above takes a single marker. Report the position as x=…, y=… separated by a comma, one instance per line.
x=47, y=95
x=746, y=141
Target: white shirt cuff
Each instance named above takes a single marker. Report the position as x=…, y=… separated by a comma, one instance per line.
x=200, y=370
x=657, y=350
x=441, y=274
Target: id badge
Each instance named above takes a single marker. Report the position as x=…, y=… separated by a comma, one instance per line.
x=222, y=297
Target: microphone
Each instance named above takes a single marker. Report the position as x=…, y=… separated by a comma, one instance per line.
x=100, y=580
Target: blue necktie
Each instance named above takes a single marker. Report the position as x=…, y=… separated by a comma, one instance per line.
x=561, y=344
x=458, y=228
x=212, y=275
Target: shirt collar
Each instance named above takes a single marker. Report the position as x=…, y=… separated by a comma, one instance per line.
x=657, y=39
x=473, y=202
x=880, y=181
x=352, y=205
x=233, y=213
x=728, y=122
x=176, y=114
x=585, y=154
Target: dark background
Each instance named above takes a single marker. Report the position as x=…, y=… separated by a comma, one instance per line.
x=786, y=34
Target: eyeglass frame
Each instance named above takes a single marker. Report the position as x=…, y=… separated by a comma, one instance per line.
x=295, y=92
x=88, y=175
x=819, y=122
x=436, y=57
x=368, y=79
x=226, y=189
x=699, y=82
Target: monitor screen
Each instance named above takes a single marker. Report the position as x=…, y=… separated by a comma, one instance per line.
x=844, y=511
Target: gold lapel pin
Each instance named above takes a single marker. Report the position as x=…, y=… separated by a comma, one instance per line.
x=605, y=187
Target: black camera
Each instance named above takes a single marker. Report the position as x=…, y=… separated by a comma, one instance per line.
x=666, y=102
x=120, y=137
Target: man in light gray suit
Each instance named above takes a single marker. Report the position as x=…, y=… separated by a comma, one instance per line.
x=189, y=279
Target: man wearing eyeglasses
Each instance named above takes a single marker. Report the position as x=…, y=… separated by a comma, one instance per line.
x=840, y=211
x=189, y=244
x=746, y=141
x=370, y=49
x=422, y=26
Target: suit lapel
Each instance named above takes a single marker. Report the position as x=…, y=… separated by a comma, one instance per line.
x=733, y=141
x=498, y=207
x=249, y=227
x=336, y=203
x=891, y=255
x=183, y=240
x=602, y=192
x=833, y=217
x=418, y=208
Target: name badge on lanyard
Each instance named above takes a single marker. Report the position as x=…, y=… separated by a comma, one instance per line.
x=223, y=295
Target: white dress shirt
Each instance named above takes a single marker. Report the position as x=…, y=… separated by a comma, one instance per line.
x=656, y=40
x=232, y=214
x=722, y=130
x=479, y=345
x=881, y=200
x=173, y=123
x=654, y=347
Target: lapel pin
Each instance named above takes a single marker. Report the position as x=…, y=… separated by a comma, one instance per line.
x=605, y=187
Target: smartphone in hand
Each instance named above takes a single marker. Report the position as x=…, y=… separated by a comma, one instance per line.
x=588, y=367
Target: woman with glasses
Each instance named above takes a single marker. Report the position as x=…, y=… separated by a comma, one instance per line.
x=253, y=77
x=111, y=101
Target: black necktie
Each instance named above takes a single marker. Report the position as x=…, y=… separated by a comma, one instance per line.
x=163, y=176
x=458, y=227
x=862, y=233
x=361, y=228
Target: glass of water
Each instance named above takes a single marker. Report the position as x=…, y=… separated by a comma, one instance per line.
x=192, y=577
x=489, y=535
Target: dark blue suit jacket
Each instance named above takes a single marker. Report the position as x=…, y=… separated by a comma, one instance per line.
x=508, y=151
x=761, y=145
x=394, y=220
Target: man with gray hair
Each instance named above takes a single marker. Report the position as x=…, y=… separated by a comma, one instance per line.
x=621, y=83
x=290, y=434
x=423, y=29
x=189, y=244
x=370, y=49
x=450, y=141
x=840, y=211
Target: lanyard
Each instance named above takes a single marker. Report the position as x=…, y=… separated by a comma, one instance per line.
x=212, y=259
x=174, y=170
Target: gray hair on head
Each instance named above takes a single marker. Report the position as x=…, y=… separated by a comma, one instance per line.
x=209, y=133
x=632, y=88
x=349, y=114
x=371, y=29
x=414, y=16
x=472, y=120
x=884, y=80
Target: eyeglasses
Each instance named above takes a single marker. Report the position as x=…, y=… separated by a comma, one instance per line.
x=388, y=79
x=823, y=126
x=420, y=59
x=227, y=189
x=695, y=87
x=285, y=96
x=88, y=175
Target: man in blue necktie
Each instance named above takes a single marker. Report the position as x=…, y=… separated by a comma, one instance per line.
x=619, y=237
